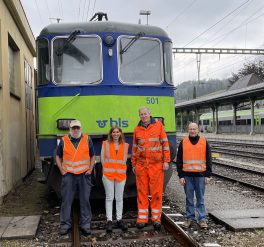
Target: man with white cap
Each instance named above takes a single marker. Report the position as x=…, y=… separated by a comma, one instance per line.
x=75, y=159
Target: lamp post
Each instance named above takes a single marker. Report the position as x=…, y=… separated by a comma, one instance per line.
x=145, y=12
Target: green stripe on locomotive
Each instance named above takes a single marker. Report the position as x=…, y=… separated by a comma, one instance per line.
x=98, y=113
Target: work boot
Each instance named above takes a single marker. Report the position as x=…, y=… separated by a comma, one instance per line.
x=109, y=226
x=187, y=224
x=86, y=231
x=157, y=225
x=141, y=225
x=203, y=224
x=64, y=231
x=121, y=224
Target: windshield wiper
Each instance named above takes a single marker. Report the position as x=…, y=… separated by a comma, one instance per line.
x=72, y=50
x=131, y=42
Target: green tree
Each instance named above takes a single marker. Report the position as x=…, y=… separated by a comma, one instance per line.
x=256, y=67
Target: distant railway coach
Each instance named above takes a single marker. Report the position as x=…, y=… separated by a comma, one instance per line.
x=101, y=73
x=225, y=121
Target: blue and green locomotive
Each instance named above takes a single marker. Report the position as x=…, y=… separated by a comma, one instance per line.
x=101, y=73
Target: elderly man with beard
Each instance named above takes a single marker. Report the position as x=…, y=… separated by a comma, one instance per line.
x=75, y=159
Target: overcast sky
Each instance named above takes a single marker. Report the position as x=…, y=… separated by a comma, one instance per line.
x=190, y=23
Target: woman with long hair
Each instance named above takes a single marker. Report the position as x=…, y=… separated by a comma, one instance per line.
x=113, y=157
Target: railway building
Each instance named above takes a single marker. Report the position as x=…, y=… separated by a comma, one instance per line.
x=17, y=52
x=246, y=90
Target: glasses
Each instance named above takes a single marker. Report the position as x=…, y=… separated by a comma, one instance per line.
x=75, y=127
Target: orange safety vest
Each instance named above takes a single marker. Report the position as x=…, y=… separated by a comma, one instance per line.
x=150, y=144
x=115, y=163
x=194, y=156
x=76, y=160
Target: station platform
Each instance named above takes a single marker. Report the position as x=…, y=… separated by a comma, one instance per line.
x=257, y=139
x=237, y=220
x=19, y=227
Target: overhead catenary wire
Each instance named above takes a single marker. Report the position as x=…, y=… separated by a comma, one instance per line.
x=39, y=12
x=245, y=22
x=48, y=9
x=84, y=6
x=60, y=8
x=225, y=24
x=230, y=13
x=87, y=12
x=94, y=7
x=79, y=10
x=181, y=12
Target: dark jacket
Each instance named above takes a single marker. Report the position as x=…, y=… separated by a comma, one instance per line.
x=179, y=161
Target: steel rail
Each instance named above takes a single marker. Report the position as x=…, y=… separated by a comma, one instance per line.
x=75, y=230
x=236, y=180
x=179, y=234
x=239, y=168
x=241, y=153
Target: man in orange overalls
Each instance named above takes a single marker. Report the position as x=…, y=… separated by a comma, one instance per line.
x=150, y=157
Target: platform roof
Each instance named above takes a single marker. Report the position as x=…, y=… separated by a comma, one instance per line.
x=235, y=94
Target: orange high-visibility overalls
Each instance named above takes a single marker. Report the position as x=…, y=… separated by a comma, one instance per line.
x=150, y=150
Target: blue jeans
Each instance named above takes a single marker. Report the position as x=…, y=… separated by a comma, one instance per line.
x=70, y=185
x=197, y=185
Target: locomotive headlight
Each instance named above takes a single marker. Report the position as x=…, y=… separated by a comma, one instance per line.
x=109, y=40
x=110, y=52
x=64, y=124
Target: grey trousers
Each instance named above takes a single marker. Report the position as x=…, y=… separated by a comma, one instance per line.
x=71, y=184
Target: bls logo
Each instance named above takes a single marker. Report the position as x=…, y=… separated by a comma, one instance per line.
x=119, y=122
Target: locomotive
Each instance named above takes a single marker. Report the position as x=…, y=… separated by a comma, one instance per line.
x=101, y=73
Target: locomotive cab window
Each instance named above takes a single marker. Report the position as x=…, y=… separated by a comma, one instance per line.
x=168, y=63
x=77, y=61
x=43, y=61
x=140, y=61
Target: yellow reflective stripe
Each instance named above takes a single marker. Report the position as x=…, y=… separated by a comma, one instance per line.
x=155, y=148
x=143, y=210
x=143, y=216
x=72, y=169
x=154, y=139
x=121, y=162
x=199, y=162
x=114, y=170
x=191, y=168
x=75, y=163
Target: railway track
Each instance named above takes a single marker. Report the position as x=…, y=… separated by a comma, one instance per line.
x=244, y=176
x=171, y=234
x=241, y=153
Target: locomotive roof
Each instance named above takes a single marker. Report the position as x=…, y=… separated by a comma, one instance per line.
x=102, y=26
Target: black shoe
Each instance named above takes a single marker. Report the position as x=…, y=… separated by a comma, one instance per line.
x=86, y=231
x=109, y=226
x=157, y=225
x=64, y=231
x=121, y=224
x=141, y=225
